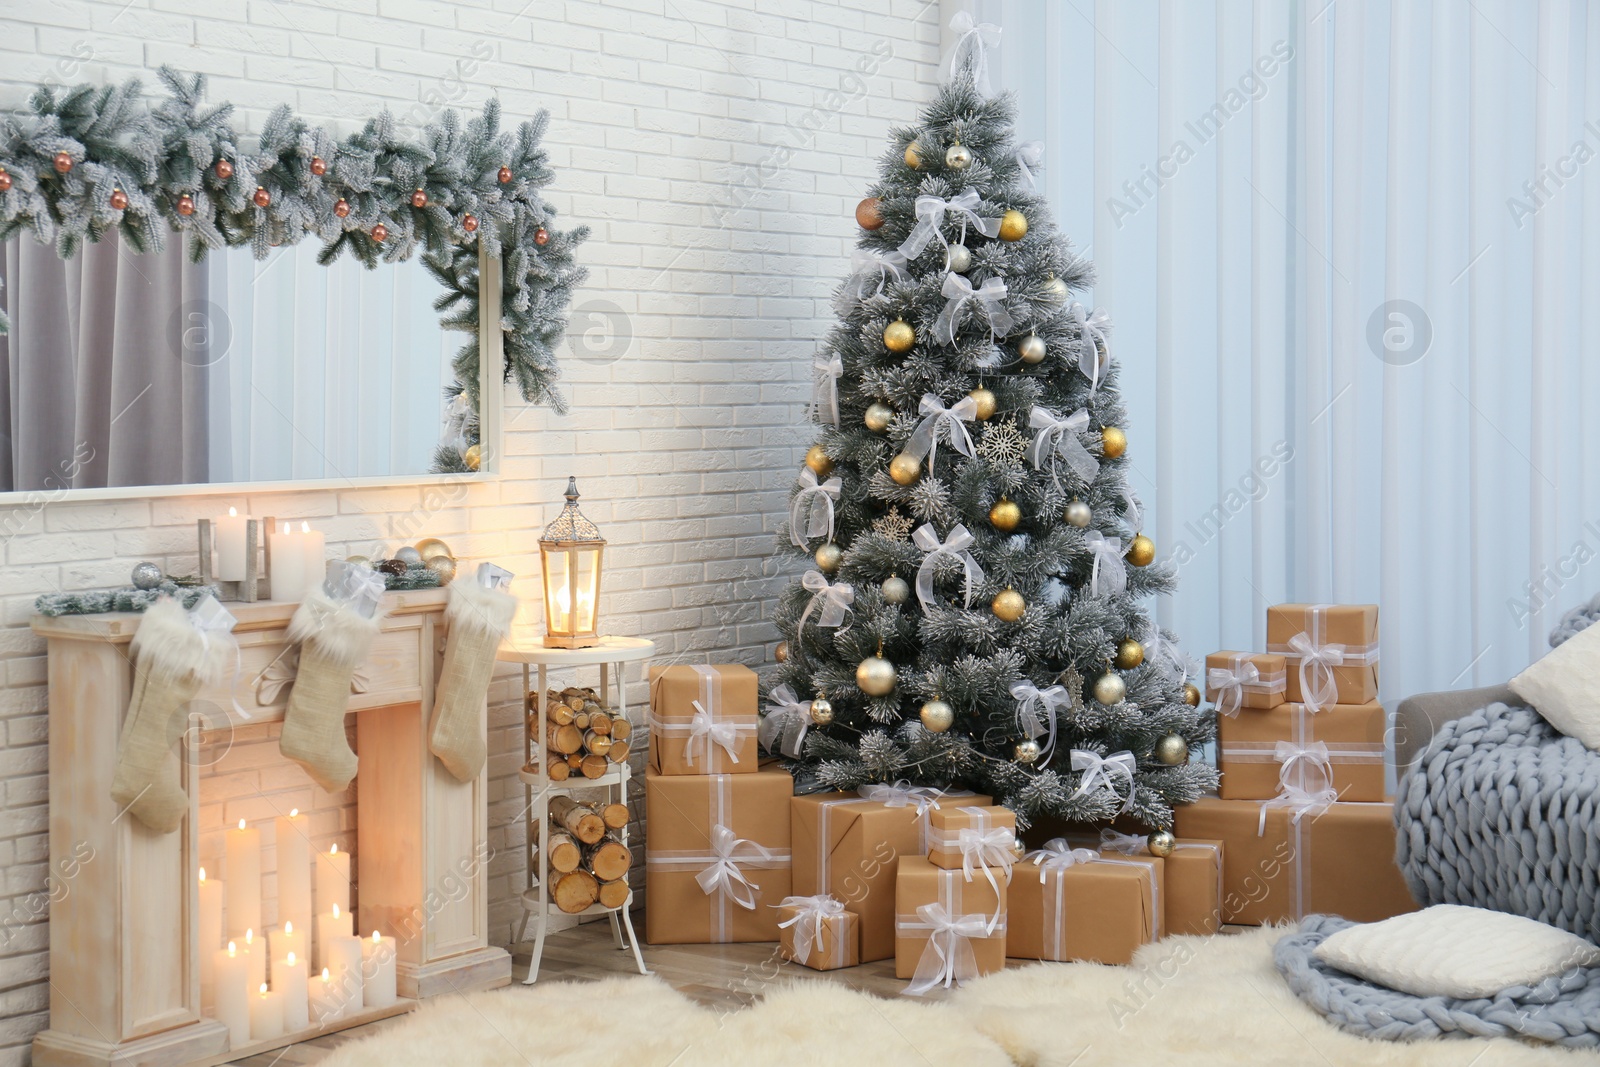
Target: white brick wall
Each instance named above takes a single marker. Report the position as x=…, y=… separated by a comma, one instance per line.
x=716, y=149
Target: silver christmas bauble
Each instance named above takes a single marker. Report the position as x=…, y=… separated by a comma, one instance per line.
x=1172, y=750
x=937, y=716
x=1161, y=843
x=1109, y=688
x=1026, y=751
x=146, y=575
x=958, y=157
x=958, y=258
x=1078, y=514
x=821, y=711
x=875, y=675
x=895, y=590
x=1055, y=290
x=877, y=417
x=1031, y=349
x=408, y=555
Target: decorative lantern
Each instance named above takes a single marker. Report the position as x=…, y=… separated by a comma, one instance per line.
x=569, y=553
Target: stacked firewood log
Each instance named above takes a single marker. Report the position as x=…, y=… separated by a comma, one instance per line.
x=581, y=735
x=587, y=859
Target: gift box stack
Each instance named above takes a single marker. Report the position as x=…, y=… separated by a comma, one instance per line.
x=717, y=859
x=1300, y=745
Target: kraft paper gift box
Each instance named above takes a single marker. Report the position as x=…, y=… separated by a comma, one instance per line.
x=1237, y=680
x=1260, y=753
x=732, y=829
x=1191, y=894
x=848, y=846
x=1068, y=903
x=946, y=929
x=703, y=719
x=965, y=836
x=1331, y=649
x=1337, y=860
x=819, y=932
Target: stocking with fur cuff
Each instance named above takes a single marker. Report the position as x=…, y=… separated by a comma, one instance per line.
x=479, y=616
x=334, y=637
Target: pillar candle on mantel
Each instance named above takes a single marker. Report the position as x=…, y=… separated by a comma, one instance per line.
x=344, y=963
x=289, y=978
x=326, y=1003
x=293, y=846
x=242, y=850
x=333, y=881
x=299, y=560
x=266, y=1013
x=228, y=534
x=286, y=942
x=232, y=978
x=378, y=965
x=254, y=949
x=210, y=936
x=334, y=924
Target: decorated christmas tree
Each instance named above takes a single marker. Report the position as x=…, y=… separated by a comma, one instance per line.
x=977, y=611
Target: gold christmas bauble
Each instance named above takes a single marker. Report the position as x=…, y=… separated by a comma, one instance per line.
x=1005, y=515
x=898, y=336
x=937, y=716
x=1031, y=349
x=1013, y=225
x=875, y=676
x=913, y=157
x=781, y=653
x=869, y=213
x=1109, y=688
x=1191, y=694
x=1161, y=843
x=828, y=557
x=1130, y=654
x=821, y=711
x=1171, y=751
x=1055, y=290
x=1113, y=442
x=1026, y=750
x=877, y=417
x=365, y=561
x=441, y=567
x=1078, y=514
x=905, y=469
x=818, y=461
x=958, y=257
x=472, y=457
x=984, y=398
x=1009, y=606
x=958, y=157
x=1141, y=551
x=429, y=547
x=895, y=589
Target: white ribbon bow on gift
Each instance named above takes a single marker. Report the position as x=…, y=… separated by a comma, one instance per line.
x=1038, y=710
x=924, y=439
x=1058, y=855
x=1101, y=772
x=783, y=727
x=1318, y=686
x=356, y=584
x=706, y=730
x=829, y=369
x=1108, y=564
x=958, y=291
x=835, y=600
x=723, y=875
x=1127, y=844
x=814, y=501
x=1030, y=154
x=1059, y=437
x=1299, y=802
x=869, y=268
x=970, y=56
x=1229, y=686
x=1096, y=350
x=215, y=625
x=987, y=849
x=930, y=212
x=1305, y=759
x=947, y=959
x=957, y=547
x=811, y=914
x=902, y=794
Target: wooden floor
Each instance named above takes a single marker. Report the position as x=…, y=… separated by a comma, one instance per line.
x=718, y=976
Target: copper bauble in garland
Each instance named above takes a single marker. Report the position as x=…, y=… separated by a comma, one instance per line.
x=419, y=198
x=380, y=233
x=186, y=205
x=341, y=207
x=5, y=181
x=119, y=200
x=469, y=223
x=319, y=166
x=261, y=198
x=224, y=169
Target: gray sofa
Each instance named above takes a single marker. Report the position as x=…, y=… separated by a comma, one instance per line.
x=1418, y=719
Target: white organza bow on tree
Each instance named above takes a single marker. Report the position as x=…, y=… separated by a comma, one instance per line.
x=930, y=212
x=988, y=298
x=783, y=727
x=1109, y=574
x=1055, y=437
x=835, y=600
x=969, y=58
x=924, y=440
x=958, y=546
x=811, y=511
x=870, y=270
x=1100, y=773
x=1038, y=710
x=1095, y=350
x=828, y=369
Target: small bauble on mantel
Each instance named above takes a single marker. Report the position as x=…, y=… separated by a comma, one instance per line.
x=429, y=547
x=441, y=567
x=146, y=575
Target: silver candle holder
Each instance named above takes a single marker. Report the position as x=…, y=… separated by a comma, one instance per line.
x=256, y=584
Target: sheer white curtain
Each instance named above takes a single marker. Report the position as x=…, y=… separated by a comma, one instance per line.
x=1352, y=249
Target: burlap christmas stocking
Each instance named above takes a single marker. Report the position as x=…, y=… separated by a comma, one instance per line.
x=334, y=639
x=171, y=661
x=478, y=619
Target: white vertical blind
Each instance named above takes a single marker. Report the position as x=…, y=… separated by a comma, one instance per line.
x=1285, y=202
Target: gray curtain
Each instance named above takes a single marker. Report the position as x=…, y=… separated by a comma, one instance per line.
x=104, y=371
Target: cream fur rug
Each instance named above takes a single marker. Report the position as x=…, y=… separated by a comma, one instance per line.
x=1193, y=1001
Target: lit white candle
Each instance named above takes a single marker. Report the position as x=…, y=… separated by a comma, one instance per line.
x=293, y=848
x=210, y=936
x=232, y=976
x=344, y=963
x=228, y=535
x=288, y=578
x=326, y=1003
x=266, y=1014
x=242, y=851
x=289, y=978
x=334, y=924
x=255, y=953
x=289, y=941
x=333, y=880
x=314, y=556
x=378, y=965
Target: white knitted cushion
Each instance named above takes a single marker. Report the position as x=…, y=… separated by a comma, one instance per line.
x=1453, y=951
x=1564, y=687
